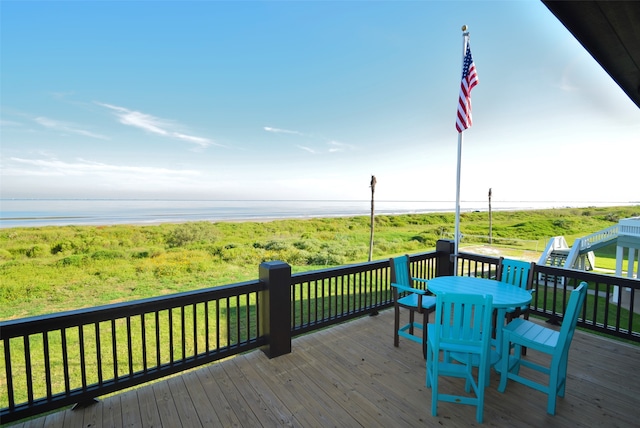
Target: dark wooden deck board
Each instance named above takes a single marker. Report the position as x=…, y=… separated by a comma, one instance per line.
x=351, y=375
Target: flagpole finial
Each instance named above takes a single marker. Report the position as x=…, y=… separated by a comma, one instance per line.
x=464, y=28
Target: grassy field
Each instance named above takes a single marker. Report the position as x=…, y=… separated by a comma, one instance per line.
x=50, y=269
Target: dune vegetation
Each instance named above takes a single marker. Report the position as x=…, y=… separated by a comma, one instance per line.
x=51, y=269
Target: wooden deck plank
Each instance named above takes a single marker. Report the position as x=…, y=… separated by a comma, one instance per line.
x=149, y=414
x=264, y=411
x=93, y=416
x=34, y=423
x=266, y=392
x=204, y=410
x=293, y=387
x=250, y=395
x=352, y=375
x=383, y=375
x=55, y=420
x=184, y=405
x=165, y=404
x=236, y=401
x=111, y=412
x=217, y=401
x=380, y=404
x=347, y=393
x=131, y=416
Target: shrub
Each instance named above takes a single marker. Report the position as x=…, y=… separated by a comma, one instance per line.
x=325, y=258
x=276, y=246
x=5, y=255
x=76, y=260
x=421, y=239
x=294, y=257
x=307, y=244
x=36, y=251
x=614, y=218
x=148, y=253
x=62, y=247
x=188, y=233
x=106, y=255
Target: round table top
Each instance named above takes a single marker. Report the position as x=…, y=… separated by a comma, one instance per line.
x=504, y=295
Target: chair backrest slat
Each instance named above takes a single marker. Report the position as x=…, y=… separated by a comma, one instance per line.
x=570, y=319
x=462, y=319
x=400, y=271
x=516, y=272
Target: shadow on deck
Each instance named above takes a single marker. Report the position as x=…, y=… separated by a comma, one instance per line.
x=350, y=375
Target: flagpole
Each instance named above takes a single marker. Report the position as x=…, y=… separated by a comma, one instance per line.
x=457, y=230
x=465, y=35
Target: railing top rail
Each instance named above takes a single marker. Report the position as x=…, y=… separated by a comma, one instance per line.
x=350, y=269
x=341, y=270
x=601, y=235
x=589, y=276
x=479, y=257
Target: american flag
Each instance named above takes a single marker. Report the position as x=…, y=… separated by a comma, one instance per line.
x=469, y=81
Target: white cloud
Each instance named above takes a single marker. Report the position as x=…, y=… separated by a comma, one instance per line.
x=335, y=146
x=308, y=149
x=281, y=131
x=10, y=124
x=57, y=125
x=56, y=168
x=203, y=142
x=155, y=125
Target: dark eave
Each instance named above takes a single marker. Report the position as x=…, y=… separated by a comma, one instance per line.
x=610, y=32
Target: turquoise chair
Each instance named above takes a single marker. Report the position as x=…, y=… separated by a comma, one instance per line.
x=519, y=333
x=405, y=295
x=519, y=274
x=461, y=331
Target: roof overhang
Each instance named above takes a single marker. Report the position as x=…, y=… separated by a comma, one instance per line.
x=610, y=32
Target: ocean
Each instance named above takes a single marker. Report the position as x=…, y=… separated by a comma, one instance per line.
x=59, y=212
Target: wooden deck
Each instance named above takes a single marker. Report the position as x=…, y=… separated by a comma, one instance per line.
x=351, y=376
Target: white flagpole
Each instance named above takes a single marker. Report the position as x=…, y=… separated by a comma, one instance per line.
x=465, y=36
x=457, y=231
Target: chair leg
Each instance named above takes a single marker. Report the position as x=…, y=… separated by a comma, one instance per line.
x=480, y=394
x=424, y=334
x=411, y=321
x=396, y=327
x=434, y=385
x=552, y=392
x=429, y=370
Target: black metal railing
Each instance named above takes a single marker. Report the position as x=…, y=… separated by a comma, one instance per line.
x=95, y=351
x=325, y=297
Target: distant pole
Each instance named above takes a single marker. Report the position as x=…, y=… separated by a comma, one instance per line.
x=373, y=189
x=490, y=219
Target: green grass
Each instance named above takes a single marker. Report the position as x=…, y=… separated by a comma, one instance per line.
x=51, y=269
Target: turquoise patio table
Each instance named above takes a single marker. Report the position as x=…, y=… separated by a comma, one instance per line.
x=504, y=295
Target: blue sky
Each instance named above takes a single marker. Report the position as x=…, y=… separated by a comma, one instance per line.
x=305, y=100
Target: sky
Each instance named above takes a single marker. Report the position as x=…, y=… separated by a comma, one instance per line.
x=305, y=100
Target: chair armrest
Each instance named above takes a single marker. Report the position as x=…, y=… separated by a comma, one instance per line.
x=426, y=284
x=401, y=287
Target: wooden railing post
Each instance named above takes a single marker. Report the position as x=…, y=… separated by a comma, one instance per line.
x=275, y=308
x=444, y=261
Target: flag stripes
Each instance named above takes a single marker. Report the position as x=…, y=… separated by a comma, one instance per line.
x=468, y=82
